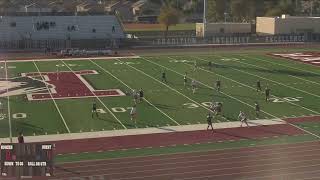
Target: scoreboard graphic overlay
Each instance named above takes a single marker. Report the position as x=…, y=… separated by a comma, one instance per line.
x=26, y=159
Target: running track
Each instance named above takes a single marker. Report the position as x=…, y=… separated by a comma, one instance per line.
x=292, y=161
x=280, y=162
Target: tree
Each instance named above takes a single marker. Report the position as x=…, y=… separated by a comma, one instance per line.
x=211, y=11
x=221, y=8
x=168, y=16
x=239, y=9
x=280, y=7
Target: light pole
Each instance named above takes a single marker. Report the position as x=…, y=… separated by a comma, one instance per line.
x=204, y=17
x=225, y=17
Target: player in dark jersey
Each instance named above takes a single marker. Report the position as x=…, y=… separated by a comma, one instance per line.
x=20, y=138
x=257, y=108
x=141, y=95
x=259, y=86
x=219, y=108
x=218, y=85
x=94, y=110
x=209, y=120
x=210, y=65
x=164, y=78
x=267, y=91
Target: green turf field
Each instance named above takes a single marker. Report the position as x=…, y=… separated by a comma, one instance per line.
x=295, y=90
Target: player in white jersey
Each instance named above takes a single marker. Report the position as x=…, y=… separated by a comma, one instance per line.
x=194, y=86
x=195, y=66
x=243, y=118
x=1, y=107
x=135, y=96
x=185, y=79
x=133, y=114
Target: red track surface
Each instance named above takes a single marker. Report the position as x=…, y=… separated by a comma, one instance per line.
x=303, y=119
x=293, y=161
x=166, y=139
x=289, y=162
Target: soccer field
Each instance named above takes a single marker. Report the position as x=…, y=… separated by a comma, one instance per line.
x=75, y=84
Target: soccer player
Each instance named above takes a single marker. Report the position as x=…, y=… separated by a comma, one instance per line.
x=133, y=114
x=258, y=86
x=209, y=120
x=219, y=108
x=243, y=118
x=218, y=85
x=164, y=78
x=210, y=65
x=141, y=95
x=135, y=96
x=257, y=107
x=194, y=86
x=185, y=79
x=195, y=66
x=213, y=106
x=267, y=91
x=1, y=108
x=94, y=110
x=58, y=71
x=20, y=138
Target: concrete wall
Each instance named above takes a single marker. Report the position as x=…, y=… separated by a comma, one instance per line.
x=223, y=28
x=287, y=25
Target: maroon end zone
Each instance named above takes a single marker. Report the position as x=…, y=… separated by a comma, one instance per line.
x=305, y=57
x=66, y=84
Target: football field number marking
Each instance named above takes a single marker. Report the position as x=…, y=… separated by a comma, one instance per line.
x=9, y=67
x=121, y=63
x=193, y=105
x=231, y=59
x=120, y=109
x=101, y=111
x=285, y=99
x=14, y=116
x=71, y=65
x=180, y=61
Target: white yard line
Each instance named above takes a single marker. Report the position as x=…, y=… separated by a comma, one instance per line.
x=30, y=98
x=168, y=87
x=97, y=98
x=132, y=89
x=8, y=103
x=304, y=79
x=64, y=122
x=287, y=66
x=254, y=89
